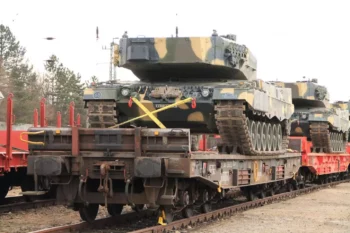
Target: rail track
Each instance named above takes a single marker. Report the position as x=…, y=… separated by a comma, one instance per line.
x=17, y=203
x=144, y=221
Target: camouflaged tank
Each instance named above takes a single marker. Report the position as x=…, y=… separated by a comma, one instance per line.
x=325, y=124
x=250, y=115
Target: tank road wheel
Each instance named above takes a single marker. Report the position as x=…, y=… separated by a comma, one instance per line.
x=340, y=143
x=258, y=136
x=206, y=207
x=279, y=137
x=187, y=212
x=251, y=195
x=332, y=141
x=262, y=195
x=269, y=137
x=88, y=213
x=273, y=138
x=115, y=209
x=263, y=136
x=336, y=142
x=252, y=133
x=289, y=187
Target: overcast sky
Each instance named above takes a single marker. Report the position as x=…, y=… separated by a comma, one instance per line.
x=290, y=39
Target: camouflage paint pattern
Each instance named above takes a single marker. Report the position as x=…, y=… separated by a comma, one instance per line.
x=260, y=96
x=214, y=58
x=273, y=101
x=156, y=96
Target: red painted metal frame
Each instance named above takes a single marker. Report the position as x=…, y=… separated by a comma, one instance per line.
x=13, y=152
x=323, y=163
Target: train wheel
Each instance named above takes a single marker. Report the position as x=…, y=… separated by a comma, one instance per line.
x=289, y=187
x=271, y=192
x=320, y=180
x=187, y=212
x=88, y=213
x=325, y=179
x=206, y=207
x=115, y=209
x=295, y=185
x=251, y=195
x=262, y=194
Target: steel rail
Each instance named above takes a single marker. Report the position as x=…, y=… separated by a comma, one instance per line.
x=182, y=223
x=229, y=211
x=26, y=205
x=100, y=223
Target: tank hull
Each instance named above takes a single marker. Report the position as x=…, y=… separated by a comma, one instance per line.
x=244, y=113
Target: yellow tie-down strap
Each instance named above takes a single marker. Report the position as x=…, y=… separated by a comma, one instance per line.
x=31, y=133
x=150, y=114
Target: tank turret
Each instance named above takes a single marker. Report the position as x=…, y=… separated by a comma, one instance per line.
x=201, y=58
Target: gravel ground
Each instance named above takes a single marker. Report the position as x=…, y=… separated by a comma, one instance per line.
x=327, y=210
x=36, y=219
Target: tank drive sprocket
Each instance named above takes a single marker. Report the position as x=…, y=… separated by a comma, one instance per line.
x=251, y=134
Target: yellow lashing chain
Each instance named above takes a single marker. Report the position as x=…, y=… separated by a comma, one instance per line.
x=31, y=133
x=150, y=114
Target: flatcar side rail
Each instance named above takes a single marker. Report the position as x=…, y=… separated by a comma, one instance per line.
x=138, y=140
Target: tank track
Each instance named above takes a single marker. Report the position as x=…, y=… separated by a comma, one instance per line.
x=241, y=134
x=325, y=141
x=102, y=114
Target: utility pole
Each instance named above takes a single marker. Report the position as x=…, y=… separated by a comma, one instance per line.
x=111, y=62
x=112, y=72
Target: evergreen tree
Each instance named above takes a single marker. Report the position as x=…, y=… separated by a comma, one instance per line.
x=17, y=77
x=61, y=87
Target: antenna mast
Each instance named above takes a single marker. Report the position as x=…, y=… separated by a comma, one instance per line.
x=176, y=29
x=111, y=62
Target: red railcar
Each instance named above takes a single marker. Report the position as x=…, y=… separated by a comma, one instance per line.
x=323, y=166
x=13, y=155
